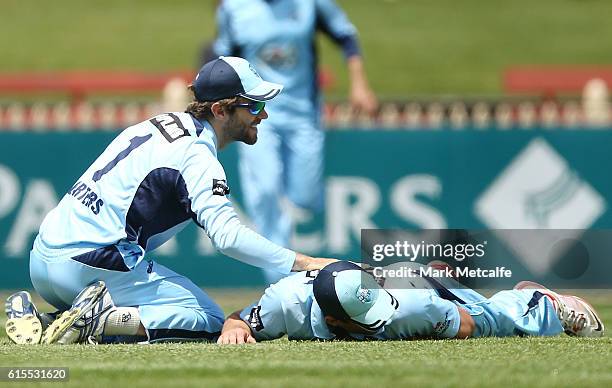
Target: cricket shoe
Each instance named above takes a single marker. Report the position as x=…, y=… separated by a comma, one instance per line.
x=577, y=317
x=24, y=324
x=84, y=321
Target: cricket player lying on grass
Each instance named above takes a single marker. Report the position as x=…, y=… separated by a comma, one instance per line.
x=342, y=301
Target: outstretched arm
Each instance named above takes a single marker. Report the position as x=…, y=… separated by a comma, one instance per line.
x=235, y=331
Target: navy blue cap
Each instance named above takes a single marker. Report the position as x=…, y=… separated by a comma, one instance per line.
x=227, y=77
x=345, y=291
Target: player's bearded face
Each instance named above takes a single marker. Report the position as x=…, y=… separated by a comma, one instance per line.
x=242, y=126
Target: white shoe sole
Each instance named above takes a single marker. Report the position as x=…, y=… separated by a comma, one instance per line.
x=59, y=327
x=24, y=330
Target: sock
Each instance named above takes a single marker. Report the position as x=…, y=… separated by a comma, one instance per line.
x=122, y=321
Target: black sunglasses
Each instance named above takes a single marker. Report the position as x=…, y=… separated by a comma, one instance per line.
x=254, y=107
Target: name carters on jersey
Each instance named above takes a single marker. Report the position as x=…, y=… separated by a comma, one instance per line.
x=87, y=196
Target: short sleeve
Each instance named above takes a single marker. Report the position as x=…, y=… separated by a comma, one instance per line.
x=266, y=317
x=423, y=314
x=443, y=316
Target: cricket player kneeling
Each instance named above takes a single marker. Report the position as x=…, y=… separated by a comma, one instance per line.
x=342, y=301
x=93, y=258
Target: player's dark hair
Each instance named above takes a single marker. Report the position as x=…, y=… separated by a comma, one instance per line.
x=202, y=110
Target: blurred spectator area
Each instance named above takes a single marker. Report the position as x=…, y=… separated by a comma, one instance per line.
x=552, y=81
x=552, y=97
x=78, y=85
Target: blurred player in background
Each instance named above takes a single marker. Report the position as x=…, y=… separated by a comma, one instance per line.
x=278, y=38
x=91, y=255
x=342, y=301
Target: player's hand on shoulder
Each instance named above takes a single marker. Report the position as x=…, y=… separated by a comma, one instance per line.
x=236, y=336
x=307, y=263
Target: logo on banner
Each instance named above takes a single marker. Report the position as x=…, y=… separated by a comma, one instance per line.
x=539, y=190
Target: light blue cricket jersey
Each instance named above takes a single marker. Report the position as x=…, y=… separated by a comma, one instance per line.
x=149, y=183
x=428, y=308
x=289, y=307
x=278, y=38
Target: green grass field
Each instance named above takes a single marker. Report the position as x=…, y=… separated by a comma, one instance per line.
x=541, y=362
x=411, y=47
